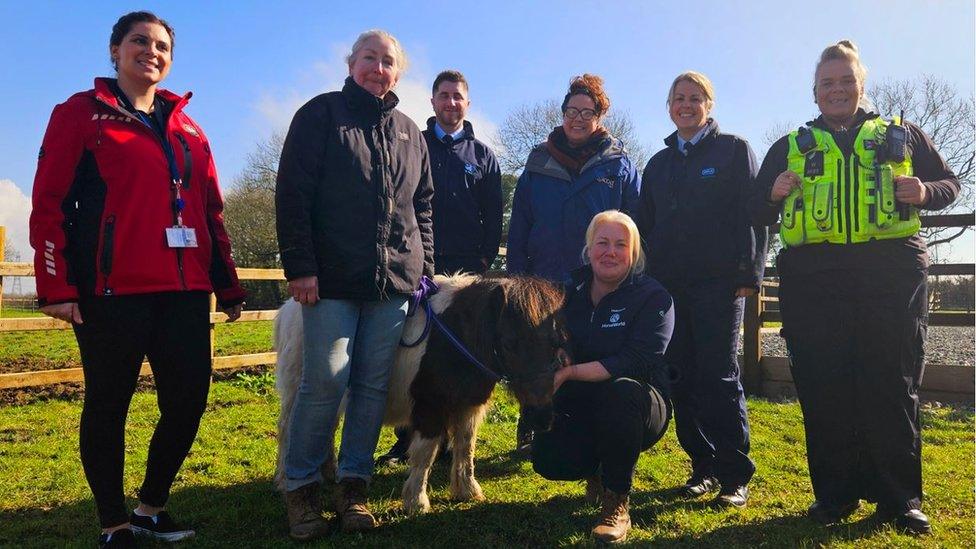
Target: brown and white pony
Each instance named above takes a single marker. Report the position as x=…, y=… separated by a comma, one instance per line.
x=512, y=325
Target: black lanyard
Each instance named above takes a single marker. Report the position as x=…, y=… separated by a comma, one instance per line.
x=157, y=124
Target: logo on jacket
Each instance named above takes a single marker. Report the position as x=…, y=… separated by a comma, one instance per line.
x=403, y=136
x=470, y=169
x=869, y=144
x=608, y=181
x=614, y=320
x=190, y=130
x=708, y=172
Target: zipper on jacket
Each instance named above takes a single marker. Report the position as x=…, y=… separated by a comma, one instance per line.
x=857, y=189
x=159, y=139
x=845, y=227
x=105, y=261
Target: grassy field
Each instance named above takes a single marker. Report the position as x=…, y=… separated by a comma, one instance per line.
x=224, y=489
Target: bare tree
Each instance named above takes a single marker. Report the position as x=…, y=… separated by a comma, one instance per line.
x=946, y=116
x=529, y=124
x=10, y=252
x=249, y=213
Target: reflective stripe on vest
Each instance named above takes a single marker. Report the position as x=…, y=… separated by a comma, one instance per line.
x=841, y=200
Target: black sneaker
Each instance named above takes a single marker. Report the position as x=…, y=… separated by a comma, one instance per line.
x=120, y=539
x=699, y=485
x=160, y=526
x=826, y=515
x=732, y=496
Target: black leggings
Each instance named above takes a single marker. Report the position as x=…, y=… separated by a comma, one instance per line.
x=601, y=425
x=172, y=331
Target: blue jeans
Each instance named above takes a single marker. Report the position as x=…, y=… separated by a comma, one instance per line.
x=348, y=344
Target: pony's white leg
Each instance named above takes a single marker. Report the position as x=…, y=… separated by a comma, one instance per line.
x=422, y=453
x=464, y=487
x=288, y=376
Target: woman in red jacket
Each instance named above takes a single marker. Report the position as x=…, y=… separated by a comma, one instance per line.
x=129, y=236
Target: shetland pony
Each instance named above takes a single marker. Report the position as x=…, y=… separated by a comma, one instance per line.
x=513, y=326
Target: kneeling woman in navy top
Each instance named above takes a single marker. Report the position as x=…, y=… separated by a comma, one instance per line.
x=612, y=403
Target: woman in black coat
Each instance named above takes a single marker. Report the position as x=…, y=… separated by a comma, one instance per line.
x=702, y=248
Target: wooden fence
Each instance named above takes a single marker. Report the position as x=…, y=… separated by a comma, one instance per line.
x=762, y=375
x=47, y=377
x=770, y=376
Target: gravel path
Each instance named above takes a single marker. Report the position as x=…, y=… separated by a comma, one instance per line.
x=945, y=345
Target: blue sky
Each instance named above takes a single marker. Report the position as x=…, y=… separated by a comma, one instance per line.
x=251, y=64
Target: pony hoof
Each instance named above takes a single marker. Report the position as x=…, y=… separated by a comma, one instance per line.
x=467, y=492
x=416, y=506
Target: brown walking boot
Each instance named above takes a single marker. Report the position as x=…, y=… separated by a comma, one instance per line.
x=594, y=489
x=304, y=506
x=614, y=520
x=350, y=504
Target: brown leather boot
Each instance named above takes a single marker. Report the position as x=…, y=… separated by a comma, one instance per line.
x=594, y=489
x=350, y=504
x=614, y=520
x=304, y=507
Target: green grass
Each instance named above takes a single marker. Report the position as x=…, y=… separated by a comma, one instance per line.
x=52, y=349
x=224, y=488
x=13, y=312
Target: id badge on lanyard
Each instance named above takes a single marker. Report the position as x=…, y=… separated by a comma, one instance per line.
x=179, y=235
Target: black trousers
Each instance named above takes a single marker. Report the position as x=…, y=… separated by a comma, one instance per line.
x=172, y=330
x=855, y=339
x=604, y=426
x=710, y=415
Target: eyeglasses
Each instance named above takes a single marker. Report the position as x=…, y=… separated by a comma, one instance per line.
x=572, y=112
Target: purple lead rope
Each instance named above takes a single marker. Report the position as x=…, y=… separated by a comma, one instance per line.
x=422, y=295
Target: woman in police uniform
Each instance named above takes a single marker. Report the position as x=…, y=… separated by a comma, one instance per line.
x=848, y=187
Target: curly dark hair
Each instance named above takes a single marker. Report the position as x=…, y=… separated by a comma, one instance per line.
x=591, y=86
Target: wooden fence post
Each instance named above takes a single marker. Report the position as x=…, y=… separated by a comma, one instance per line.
x=752, y=344
x=3, y=240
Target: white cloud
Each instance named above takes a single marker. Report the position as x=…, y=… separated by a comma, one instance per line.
x=15, y=208
x=277, y=108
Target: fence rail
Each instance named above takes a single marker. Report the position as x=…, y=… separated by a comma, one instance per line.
x=762, y=375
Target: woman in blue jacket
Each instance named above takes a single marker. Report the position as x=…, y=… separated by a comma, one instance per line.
x=580, y=171
x=612, y=404
x=702, y=248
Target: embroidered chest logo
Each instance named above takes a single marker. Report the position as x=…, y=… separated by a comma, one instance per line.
x=470, y=169
x=614, y=320
x=608, y=181
x=403, y=136
x=708, y=172
x=190, y=130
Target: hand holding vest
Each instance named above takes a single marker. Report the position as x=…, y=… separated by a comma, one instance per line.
x=845, y=200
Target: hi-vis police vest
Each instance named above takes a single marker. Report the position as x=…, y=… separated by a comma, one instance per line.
x=845, y=200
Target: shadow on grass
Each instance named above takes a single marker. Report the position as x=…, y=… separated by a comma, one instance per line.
x=251, y=515
x=782, y=531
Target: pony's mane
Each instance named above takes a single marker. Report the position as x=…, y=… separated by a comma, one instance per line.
x=478, y=313
x=535, y=298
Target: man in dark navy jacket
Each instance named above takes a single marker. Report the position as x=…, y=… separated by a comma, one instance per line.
x=467, y=200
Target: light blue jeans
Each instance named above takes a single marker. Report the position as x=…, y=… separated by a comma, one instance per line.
x=348, y=344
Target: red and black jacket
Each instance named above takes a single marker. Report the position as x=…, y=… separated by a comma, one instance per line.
x=102, y=200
